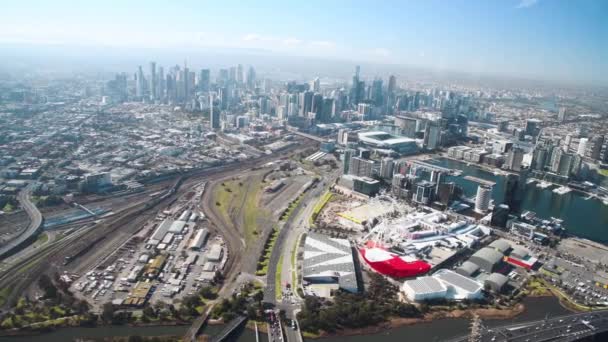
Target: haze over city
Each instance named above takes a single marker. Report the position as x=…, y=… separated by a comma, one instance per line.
x=545, y=39
x=304, y=171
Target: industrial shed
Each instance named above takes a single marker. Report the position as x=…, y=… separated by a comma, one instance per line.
x=459, y=286
x=467, y=269
x=501, y=245
x=520, y=252
x=487, y=259
x=424, y=288
x=496, y=282
x=328, y=264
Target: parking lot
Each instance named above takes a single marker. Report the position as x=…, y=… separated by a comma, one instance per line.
x=171, y=257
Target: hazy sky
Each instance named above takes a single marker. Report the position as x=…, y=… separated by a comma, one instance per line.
x=549, y=39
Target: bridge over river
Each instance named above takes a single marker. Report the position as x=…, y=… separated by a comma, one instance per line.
x=566, y=328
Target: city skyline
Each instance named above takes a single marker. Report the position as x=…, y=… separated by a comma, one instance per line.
x=547, y=40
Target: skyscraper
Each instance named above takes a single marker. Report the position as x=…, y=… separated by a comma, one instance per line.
x=214, y=115
x=514, y=158
x=432, y=135
x=139, y=84
x=306, y=102
x=204, y=80
x=251, y=78
x=561, y=115
x=239, y=74
x=482, y=199
x=316, y=85
x=348, y=154
x=361, y=167
x=386, y=168
x=161, y=84
x=152, y=81
x=582, y=147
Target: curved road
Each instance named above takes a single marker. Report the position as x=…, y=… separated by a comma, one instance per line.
x=32, y=228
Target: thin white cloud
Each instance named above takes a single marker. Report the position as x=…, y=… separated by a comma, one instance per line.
x=381, y=52
x=526, y=3
x=323, y=44
x=292, y=41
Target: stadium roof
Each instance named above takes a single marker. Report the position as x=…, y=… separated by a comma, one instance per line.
x=325, y=256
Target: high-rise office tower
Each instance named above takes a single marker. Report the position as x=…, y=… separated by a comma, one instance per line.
x=316, y=85
x=392, y=84
x=561, y=114
x=251, y=78
x=239, y=74
x=152, y=81
x=348, y=154
x=565, y=164
x=482, y=199
x=204, y=80
x=514, y=158
x=355, y=91
x=432, y=135
x=214, y=114
x=224, y=97
x=306, y=102
x=376, y=92
x=386, y=168
x=327, y=111
x=232, y=77
x=139, y=84
x=594, y=147
x=222, y=76
x=161, y=84
x=582, y=147
x=317, y=106
x=361, y=167
x=186, y=83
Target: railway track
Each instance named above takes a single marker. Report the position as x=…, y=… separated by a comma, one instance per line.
x=50, y=258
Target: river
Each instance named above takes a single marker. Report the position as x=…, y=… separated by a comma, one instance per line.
x=536, y=308
x=587, y=218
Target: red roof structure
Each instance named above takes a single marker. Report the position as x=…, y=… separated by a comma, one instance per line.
x=393, y=265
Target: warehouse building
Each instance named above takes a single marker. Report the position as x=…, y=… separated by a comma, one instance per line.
x=444, y=284
x=459, y=286
x=328, y=265
x=501, y=245
x=199, y=240
x=467, y=269
x=488, y=259
x=424, y=288
x=496, y=282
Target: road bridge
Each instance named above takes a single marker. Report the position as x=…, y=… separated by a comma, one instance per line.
x=573, y=327
x=306, y=135
x=197, y=325
x=35, y=222
x=229, y=328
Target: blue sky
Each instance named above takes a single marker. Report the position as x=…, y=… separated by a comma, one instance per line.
x=547, y=39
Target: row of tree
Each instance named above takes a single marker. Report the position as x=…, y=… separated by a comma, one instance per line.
x=350, y=310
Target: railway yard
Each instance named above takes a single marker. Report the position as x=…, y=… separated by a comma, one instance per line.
x=91, y=245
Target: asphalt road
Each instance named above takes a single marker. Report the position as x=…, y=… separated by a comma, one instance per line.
x=32, y=228
x=563, y=328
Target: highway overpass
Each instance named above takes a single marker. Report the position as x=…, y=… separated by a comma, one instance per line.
x=31, y=230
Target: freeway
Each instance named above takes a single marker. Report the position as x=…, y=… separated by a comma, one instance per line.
x=32, y=228
x=566, y=328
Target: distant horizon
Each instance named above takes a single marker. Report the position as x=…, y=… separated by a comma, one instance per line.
x=83, y=58
x=545, y=40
